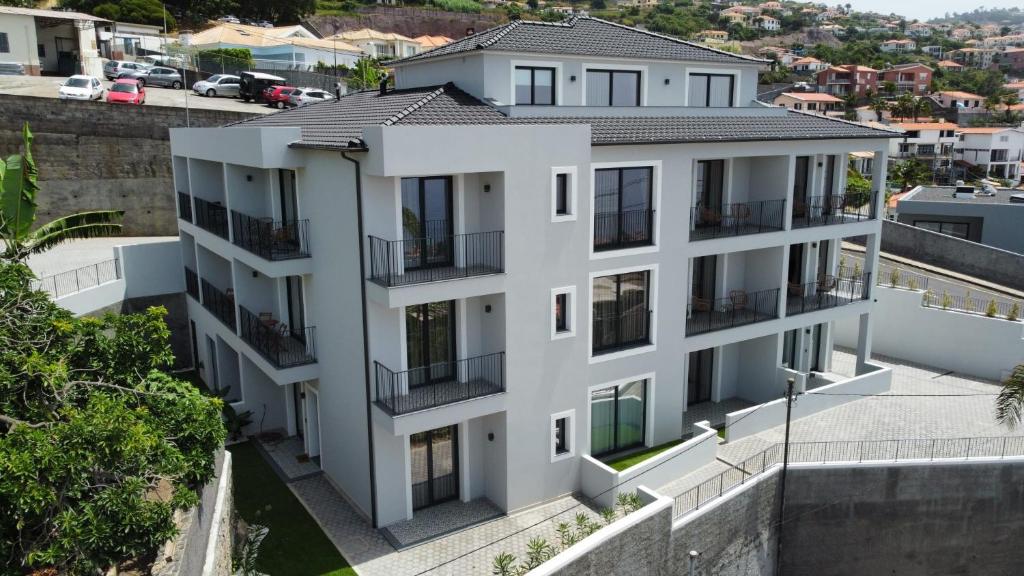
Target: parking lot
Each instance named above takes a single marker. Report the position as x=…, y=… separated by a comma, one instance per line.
x=46, y=87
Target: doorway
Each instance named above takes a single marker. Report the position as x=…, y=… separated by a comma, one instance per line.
x=299, y=401
x=816, y=336
x=313, y=425
x=195, y=344
x=430, y=342
x=800, y=182
x=434, y=459
x=214, y=377
x=427, y=226
x=296, y=308
x=699, y=376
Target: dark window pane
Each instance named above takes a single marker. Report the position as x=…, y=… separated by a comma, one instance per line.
x=561, y=194
x=561, y=312
x=602, y=421
x=698, y=91
x=561, y=436
x=630, y=409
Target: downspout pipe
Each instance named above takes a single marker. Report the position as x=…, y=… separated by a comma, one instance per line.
x=366, y=337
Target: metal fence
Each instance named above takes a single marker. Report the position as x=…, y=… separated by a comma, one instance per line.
x=846, y=451
x=72, y=281
x=896, y=278
x=739, y=308
x=965, y=303
x=439, y=384
x=438, y=256
x=736, y=219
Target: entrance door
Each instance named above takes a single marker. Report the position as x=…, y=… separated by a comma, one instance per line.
x=710, y=192
x=427, y=227
x=434, y=456
x=822, y=260
x=703, y=284
x=312, y=424
x=430, y=342
x=829, y=192
x=296, y=309
x=214, y=378
x=800, y=181
x=796, y=264
x=816, y=364
x=289, y=203
x=299, y=399
x=698, y=381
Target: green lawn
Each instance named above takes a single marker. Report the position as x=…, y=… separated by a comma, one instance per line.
x=624, y=462
x=295, y=545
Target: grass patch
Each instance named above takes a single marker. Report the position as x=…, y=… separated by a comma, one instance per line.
x=635, y=458
x=721, y=432
x=295, y=545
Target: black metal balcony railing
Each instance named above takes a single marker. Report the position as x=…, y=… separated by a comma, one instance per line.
x=738, y=309
x=284, y=346
x=827, y=292
x=736, y=219
x=221, y=304
x=192, y=283
x=280, y=240
x=439, y=384
x=834, y=209
x=184, y=207
x=72, y=281
x=441, y=257
x=625, y=229
x=211, y=217
x=622, y=331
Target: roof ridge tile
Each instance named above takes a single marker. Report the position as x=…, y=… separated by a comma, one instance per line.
x=397, y=117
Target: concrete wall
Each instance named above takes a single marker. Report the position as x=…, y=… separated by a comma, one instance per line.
x=22, y=38
x=910, y=519
x=968, y=344
x=978, y=260
x=991, y=224
x=94, y=156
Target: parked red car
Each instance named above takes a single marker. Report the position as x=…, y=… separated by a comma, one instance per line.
x=126, y=91
x=277, y=96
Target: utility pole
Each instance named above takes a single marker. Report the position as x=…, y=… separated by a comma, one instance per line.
x=785, y=468
x=693, y=561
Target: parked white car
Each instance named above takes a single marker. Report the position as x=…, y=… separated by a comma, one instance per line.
x=303, y=96
x=81, y=87
x=218, y=85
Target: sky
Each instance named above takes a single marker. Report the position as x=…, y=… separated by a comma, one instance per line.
x=924, y=9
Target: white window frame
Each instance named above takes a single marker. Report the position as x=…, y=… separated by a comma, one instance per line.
x=652, y=300
x=535, y=64
x=655, y=166
x=570, y=425
x=736, y=78
x=573, y=185
x=597, y=67
x=570, y=292
x=649, y=408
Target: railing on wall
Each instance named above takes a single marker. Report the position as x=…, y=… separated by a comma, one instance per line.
x=211, y=217
x=737, y=219
x=738, y=309
x=834, y=209
x=221, y=304
x=184, y=206
x=827, y=292
x=846, y=451
x=439, y=384
x=284, y=346
x=192, y=283
x=972, y=305
x=269, y=239
x=72, y=281
x=624, y=229
x=436, y=257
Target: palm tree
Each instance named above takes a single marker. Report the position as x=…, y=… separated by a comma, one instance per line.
x=18, y=189
x=993, y=102
x=879, y=106
x=1010, y=100
x=1010, y=402
x=904, y=106
x=920, y=107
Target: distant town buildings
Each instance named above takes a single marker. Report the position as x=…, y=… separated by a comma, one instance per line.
x=848, y=79
x=913, y=78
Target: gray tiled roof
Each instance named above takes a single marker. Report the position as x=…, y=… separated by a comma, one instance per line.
x=340, y=124
x=584, y=36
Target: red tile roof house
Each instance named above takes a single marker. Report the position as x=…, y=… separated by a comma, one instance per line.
x=810, y=102
x=913, y=78
x=846, y=79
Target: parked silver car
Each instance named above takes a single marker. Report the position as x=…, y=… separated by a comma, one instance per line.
x=304, y=96
x=113, y=69
x=218, y=85
x=156, y=76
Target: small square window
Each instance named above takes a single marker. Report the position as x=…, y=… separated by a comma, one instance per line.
x=41, y=50
x=563, y=435
x=563, y=193
x=563, y=312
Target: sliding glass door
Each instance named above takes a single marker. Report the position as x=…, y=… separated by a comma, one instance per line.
x=427, y=222
x=618, y=417
x=434, y=459
x=430, y=342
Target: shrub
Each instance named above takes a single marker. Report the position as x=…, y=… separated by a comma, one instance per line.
x=929, y=298
x=968, y=303
x=947, y=300
x=457, y=5
x=1014, y=312
x=894, y=277
x=856, y=268
x=912, y=282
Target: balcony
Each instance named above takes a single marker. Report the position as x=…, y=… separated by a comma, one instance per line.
x=192, y=283
x=833, y=209
x=621, y=331
x=439, y=384
x=827, y=292
x=435, y=258
x=184, y=207
x=282, y=345
x=211, y=217
x=736, y=219
x=269, y=239
x=738, y=309
x=220, y=304
x=625, y=229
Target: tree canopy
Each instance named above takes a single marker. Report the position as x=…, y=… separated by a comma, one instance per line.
x=135, y=11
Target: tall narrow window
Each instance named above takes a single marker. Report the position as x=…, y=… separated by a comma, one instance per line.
x=621, y=310
x=613, y=88
x=561, y=194
x=618, y=417
x=5, y=45
x=535, y=86
x=563, y=437
x=711, y=90
x=561, y=312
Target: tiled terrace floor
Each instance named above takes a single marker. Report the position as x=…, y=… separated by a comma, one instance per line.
x=288, y=456
x=713, y=412
x=435, y=521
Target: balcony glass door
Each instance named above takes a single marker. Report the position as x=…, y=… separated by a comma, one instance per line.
x=703, y=282
x=434, y=456
x=800, y=182
x=698, y=382
x=709, y=192
x=427, y=222
x=296, y=308
x=289, y=202
x=621, y=311
x=430, y=342
x=623, y=212
x=618, y=417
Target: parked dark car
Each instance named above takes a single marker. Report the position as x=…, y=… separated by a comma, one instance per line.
x=252, y=85
x=156, y=76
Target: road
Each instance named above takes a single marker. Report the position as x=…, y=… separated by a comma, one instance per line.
x=46, y=87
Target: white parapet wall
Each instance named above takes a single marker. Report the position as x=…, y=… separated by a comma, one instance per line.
x=756, y=419
x=969, y=344
x=603, y=483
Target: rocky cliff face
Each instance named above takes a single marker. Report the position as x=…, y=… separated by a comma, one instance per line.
x=409, y=21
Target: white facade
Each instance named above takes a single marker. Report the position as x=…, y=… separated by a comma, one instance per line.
x=999, y=151
x=540, y=322
x=50, y=41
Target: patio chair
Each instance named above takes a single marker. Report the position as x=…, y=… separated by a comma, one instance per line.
x=701, y=304
x=709, y=217
x=739, y=299
x=740, y=214
x=826, y=283
x=795, y=289
x=799, y=209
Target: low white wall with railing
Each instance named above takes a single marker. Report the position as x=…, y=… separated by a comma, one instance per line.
x=603, y=483
x=966, y=343
x=756, y=419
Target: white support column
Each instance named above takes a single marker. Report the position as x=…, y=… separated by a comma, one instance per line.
x=787, y=216
x=879, y=171
x=863, y=343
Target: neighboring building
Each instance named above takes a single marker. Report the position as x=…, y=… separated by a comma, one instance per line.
x=1011, y=59
x=848, y=79
x=511, y=266
x=811, y=102
x=126, y=41
x=996, y=152
x=1003, y=41
x=733, y=17
x=929, y=142
x=898, y=46
x=431, y=42
x=919, y=29
x=960, y=34
x=1017, y=87
x=287, y=47
x=958, y=99
x=959, y=107
x=770, y=6
x=950, y=65
x=974, y=57
x=991, y=220
x=638, y=3
x=380, y=44
x=809, y=64
x=50, y=41
x=913, y=78
x=934, y=51
x=713, y=36
x=768, y=23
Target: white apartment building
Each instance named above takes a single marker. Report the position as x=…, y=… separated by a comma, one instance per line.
x=996, y=151
x=550, y=240
x=929, y=142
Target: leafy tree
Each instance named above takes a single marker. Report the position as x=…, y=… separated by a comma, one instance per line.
x=18, y=189
x=276, y=11
x=19, y=3
x=1010, y=402
x=879, y=106
x=98, y=447
x=857, y=185
x=138, y=11
x=910, y=173
x=598, y=4
x=365, y=75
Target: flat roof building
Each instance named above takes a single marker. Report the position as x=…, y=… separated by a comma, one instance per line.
x=991, y=220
